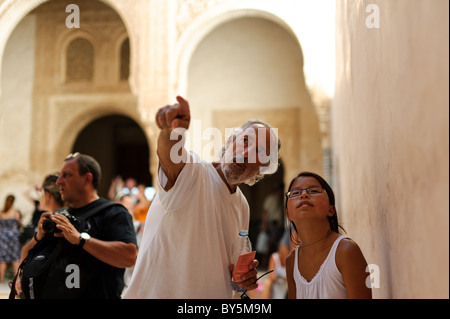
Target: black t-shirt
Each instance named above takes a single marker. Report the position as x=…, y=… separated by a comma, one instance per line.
x=110, y=224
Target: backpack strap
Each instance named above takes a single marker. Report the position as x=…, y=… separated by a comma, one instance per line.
x=96, y=210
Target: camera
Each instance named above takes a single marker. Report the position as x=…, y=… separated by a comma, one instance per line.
x=49, y=226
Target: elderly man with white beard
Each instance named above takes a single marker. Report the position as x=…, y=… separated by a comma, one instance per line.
x=195, y=218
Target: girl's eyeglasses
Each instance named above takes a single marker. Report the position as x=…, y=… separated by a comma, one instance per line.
x=313, y=190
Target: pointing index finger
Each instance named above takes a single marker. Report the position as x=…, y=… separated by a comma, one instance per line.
x=183, y=117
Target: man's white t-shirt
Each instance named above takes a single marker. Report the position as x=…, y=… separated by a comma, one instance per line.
x=189, y=233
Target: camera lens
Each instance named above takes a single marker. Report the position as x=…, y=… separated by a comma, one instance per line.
x=48, y=226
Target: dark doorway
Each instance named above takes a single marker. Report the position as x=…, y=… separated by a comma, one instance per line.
x=120, y=146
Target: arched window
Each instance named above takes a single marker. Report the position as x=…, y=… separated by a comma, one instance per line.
x=79, y=61
x=125, y=59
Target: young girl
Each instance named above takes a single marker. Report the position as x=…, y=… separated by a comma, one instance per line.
x=325, y=264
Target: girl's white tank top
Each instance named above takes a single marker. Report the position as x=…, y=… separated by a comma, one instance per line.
x=326, y=284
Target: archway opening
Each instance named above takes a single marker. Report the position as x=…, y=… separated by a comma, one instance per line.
x=120, y=146
x=252, y=68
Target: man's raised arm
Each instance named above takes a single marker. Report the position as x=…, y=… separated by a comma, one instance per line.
x=172, y=121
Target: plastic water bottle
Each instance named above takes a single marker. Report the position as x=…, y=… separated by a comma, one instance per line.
x=241, y=246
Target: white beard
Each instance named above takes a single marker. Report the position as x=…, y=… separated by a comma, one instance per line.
x=231, y=173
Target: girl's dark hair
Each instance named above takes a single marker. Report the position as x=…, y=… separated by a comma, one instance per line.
x=49, y=185
x=332, y=220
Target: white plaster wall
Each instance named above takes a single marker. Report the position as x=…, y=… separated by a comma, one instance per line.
x=391, y=141
x=15, y=111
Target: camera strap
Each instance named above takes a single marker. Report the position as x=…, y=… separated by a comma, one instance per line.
x=95, y=210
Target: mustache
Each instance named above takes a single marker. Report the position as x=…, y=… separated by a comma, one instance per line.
x=230, y=158
x=241, y=160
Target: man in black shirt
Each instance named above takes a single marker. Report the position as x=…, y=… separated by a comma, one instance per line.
x=100, y=247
